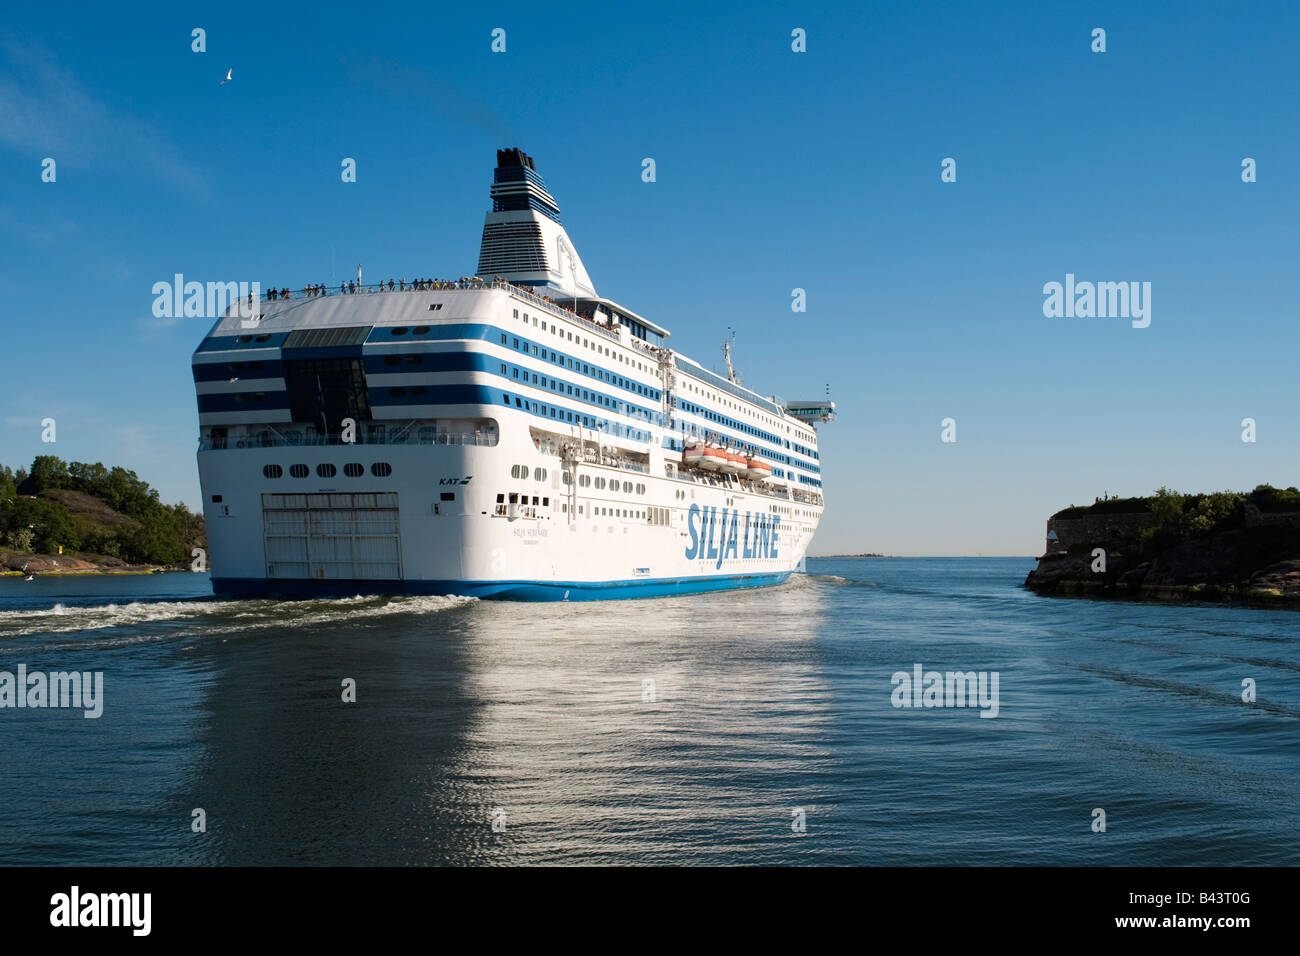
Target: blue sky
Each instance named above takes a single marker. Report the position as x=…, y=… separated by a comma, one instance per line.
x=775, y=170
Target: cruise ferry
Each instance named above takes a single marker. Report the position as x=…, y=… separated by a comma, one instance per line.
x=510, y=435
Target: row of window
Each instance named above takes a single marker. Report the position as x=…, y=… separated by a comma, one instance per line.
x=577, y=365
x=586, y=481
x=603, y=511
x=577, y=418
x=636, y=328
x=353, y=469
x=595, y=398
x=748, y=406
x=519, y=501
x=521, y=471
x=730, y=422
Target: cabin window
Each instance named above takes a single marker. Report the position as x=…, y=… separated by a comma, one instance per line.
x=353, y=469
x=381, y=469
x=326, y=470
x=272, y=471
x=299, y=471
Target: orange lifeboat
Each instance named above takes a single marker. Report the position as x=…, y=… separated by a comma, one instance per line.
x=712, y=458
x=757, y=470
x=692, y=454
x=734, y=463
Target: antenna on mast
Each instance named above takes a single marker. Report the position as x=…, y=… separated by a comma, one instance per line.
x=727, y=346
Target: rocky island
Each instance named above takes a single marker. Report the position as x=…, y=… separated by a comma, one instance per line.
x=1225, y=546
x=78, y=518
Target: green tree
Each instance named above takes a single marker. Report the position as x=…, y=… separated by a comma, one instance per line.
x=48, y=472
x=8, y=486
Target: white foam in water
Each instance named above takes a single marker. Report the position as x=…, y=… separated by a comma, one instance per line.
x=252, y=614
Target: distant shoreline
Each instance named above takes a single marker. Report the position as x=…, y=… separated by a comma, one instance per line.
x=88, y=572
x=816, y=556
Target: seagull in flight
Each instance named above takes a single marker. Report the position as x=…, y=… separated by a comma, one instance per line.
x=227, y=79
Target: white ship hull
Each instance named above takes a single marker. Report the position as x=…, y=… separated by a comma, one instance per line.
x=314, y=540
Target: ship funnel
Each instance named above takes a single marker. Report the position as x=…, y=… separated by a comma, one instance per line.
x=523, y=240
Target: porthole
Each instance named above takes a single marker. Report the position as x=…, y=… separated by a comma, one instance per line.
x=262, y=338
x=272, y=471
x=299, y=471
x=326, y=470
x=539, y=474
x=354, y=469
x=600, y=482
x=244, y=338
x=381, y=469
x=421, y=330
x=400, y=330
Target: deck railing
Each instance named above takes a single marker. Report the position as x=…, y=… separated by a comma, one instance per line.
x=472, y=284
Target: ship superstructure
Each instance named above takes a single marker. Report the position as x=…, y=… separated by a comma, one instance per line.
x=513, y=435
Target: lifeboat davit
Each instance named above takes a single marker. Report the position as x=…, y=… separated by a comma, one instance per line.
x=756, y=469
x=712, y=458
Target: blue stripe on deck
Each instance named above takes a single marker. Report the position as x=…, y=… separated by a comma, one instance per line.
x=498, y=590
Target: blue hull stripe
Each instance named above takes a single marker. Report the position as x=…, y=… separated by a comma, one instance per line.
x=498, y=590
